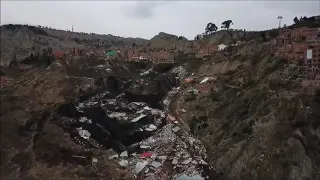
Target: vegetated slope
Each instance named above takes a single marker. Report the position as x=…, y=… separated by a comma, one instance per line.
x=258, y=124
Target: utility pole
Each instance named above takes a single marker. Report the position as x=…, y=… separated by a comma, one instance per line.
x=279, y=17
x=72, y=28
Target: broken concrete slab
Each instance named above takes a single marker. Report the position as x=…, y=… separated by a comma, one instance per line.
x=123, y=163
x=140, y=166
x=138, y=118
x=124, y=154
x=175, y=129
x=113, y=156
x=156, y=164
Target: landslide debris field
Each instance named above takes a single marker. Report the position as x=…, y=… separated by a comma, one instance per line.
x=97, y=119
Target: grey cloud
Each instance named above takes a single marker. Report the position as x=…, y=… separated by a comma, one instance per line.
x=298, y=7
x=147, y=18
x=142, y=9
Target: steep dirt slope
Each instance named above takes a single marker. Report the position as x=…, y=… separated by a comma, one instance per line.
x=257, y=124
x=31, y=146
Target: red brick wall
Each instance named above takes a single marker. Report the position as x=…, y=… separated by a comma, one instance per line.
x=58, y=54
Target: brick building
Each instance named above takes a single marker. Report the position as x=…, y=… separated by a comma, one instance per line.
x=303, y=34
x=313, y=58
x=294, y=43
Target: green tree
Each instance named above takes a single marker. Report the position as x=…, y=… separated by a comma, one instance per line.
x=226, y=24
x=210, y=28
x=180, y=37
x=295, y=20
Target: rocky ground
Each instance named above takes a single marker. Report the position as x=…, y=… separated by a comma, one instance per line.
x=238, y=116
x=96, y=119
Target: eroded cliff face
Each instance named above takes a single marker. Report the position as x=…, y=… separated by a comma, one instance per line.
x=241, y=116
x=69, y=120
x=257, y=123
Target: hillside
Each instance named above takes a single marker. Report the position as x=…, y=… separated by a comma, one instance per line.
x=163, y=40
x=18, y=41
x=256, y=123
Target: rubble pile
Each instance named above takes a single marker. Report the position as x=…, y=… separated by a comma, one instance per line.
x=132, y=118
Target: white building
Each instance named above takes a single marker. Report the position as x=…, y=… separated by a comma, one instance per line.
x=221, y=47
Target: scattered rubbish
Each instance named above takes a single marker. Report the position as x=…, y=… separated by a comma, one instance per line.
x=117, y=114
x=151, y=127
x=123, y=163
x=138, y=118
x=114, y=156
x=145, y=154
x=147, y=108
x=111, y=101
x=145, y=147
x=83, y=157
x=186, y=177
x=124, y=154
x=140, y=166
x=155, y=164
x=156, y=111
x=176, y=129
x=146, y=72
x=183, y=110
x=85, y=119
x=204, y=80
x=137, y=103
x=171, y=118
x=193, y=91
x=187, y=161
x=203, y=162
x=188, y=80
x=94, y=162
x=149, y=174
x=84, y=133
x=162, y=158
x=141, y=111
x=175, y=161
x=154, y=156
x=147, y=170
x=134, y=154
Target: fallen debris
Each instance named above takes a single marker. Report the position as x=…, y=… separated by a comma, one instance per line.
x=175, y=161
x=155, y=164
x=147, y=108
x=176, y=129
x=145, y=147
x=151, y=127
x=204, y=80
x=140, y=166
x=117, y=114
x=84, y=133
x=114, y=156
x=83, y=157
x=94, y=162
x=171, y=118
x=124, y=154
x=145, y=154
x=186, y=177
x=138, y=118
x=123, y=163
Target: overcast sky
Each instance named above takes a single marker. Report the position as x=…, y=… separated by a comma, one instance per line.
x=147, y=18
